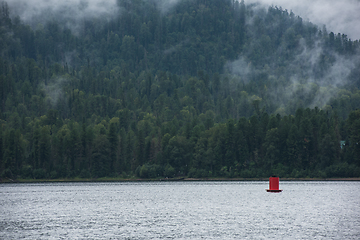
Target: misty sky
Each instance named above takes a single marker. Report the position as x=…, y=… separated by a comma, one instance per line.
x=338, y=16
x=30, y=8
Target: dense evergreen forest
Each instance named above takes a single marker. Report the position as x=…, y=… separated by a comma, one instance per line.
x=207, y=88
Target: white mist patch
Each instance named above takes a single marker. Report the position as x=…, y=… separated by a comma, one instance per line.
x=338, y=16
x=54, y=90
x=239, y=67
x=337, y=73
x=305, y=80
x=166, y=5
x=176, y=47
x=71, y=13
x=335, y=76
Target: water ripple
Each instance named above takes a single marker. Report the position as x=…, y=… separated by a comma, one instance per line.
x=180, y=210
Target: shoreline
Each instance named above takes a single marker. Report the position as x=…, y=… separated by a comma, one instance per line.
x=173, y=180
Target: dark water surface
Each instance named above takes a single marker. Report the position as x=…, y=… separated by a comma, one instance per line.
x=180, y=210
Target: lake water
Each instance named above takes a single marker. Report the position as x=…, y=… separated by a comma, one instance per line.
x=180, y=210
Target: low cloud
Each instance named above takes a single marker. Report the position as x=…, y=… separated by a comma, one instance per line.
x=308, y=75
x=176, y=47
x=338, y=16
x=304, y=76
x=239, y=67
x=166, y=5
x=70, y=13
x=54, y=90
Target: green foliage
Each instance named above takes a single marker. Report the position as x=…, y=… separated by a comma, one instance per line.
x=169, y=171
x=26, y=172
x=39, y=173
x=342, y=170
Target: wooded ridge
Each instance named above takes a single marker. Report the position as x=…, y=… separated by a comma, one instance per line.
x=207, y=88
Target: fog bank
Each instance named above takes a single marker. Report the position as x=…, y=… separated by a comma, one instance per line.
x=70, y=13
x=338, y=16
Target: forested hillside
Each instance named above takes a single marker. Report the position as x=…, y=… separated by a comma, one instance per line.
x=202, y=88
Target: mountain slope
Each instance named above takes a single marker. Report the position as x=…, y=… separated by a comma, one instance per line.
x=190, y=89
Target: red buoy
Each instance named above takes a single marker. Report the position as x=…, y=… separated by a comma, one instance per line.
x=273, y=185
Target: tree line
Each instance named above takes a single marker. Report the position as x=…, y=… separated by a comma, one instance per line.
x=313, y=143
